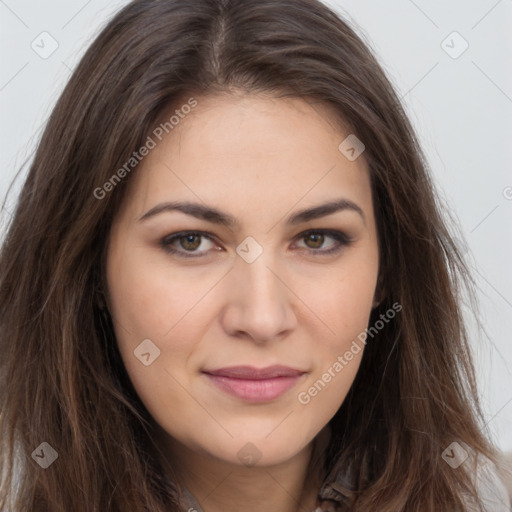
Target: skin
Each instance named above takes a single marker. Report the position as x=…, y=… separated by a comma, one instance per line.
x=259, y=159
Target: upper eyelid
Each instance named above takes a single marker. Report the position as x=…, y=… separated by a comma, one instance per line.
x=211, y=236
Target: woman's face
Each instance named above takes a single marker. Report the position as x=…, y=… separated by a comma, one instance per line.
x=234, y=331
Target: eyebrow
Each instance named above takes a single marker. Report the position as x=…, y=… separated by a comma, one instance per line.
x=215, y=216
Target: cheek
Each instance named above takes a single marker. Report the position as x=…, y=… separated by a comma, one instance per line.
x=146, y=304
x=342, y=300
x=148, y=298
x=337, y=355
x=342, y=304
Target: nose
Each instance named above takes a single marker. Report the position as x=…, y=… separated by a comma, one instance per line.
x=260, y=304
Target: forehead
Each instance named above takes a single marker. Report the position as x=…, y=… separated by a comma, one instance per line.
x=248, y=150
x=244, y=123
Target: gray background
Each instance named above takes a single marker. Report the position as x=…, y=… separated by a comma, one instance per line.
x=461, y=106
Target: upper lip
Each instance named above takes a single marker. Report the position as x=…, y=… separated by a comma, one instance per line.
x=252, y=373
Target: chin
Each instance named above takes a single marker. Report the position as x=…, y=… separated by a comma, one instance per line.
x=259, y=449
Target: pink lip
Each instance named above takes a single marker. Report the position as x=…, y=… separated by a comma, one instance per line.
x=253, y=384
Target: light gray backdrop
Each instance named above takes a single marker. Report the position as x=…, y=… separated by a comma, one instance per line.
x=450, y=62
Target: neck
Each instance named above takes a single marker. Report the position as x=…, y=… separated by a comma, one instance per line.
x=219, y=486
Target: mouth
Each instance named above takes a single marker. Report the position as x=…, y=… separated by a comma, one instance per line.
x=255, y=384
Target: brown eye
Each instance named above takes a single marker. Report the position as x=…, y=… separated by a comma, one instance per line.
x=187, y=243
x=316, y=239
x=190, y=242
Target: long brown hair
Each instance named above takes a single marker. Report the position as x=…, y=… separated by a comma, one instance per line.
x=62, y=379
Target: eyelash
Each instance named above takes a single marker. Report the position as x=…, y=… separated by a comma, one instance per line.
x=342, y=239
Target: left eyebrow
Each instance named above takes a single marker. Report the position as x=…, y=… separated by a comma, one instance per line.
x=324, y=210
x=215, y=216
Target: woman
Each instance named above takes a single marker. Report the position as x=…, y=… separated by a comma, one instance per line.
x=228, y=284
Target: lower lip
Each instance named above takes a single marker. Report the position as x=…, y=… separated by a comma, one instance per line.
x=251, y=390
